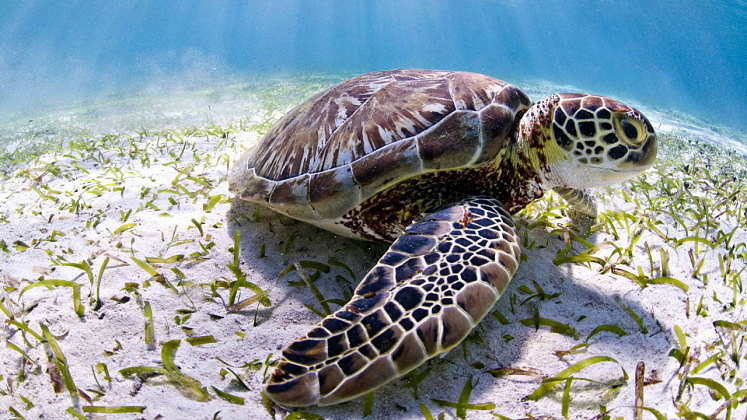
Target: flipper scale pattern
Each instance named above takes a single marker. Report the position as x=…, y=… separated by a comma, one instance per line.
x=431, y=288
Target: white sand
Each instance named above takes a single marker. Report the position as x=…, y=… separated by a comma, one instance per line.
x=588, y=299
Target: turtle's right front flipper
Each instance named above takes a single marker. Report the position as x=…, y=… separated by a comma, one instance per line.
x=432, y=287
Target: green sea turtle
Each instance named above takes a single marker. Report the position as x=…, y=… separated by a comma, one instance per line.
x=434, y=162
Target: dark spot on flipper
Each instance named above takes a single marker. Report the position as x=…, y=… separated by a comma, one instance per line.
x=409, y=297
x=298, y=392
x=334, y=325
x=286, y=370
x=406, y=324
x=455, y=327
x=414, y=244
x=392, y=258
x=337, y=344
x=349, y=316
x=318, y=332
x=387, y=339
x=487, y=233
x=368, y=351
x=329, y=378
x=393, y=311
x=363, y=305
x=419, y=314
x=432, y=257
x=374, y=323
x=352, y=363
x=356, y=335
x=409, y=269
x=408, y=354
x=468, y=275
x=306, y=352
x=378, y=279
x=429, y=228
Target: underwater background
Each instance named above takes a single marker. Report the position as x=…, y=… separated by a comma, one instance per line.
x=120, y=242
x=683, y=55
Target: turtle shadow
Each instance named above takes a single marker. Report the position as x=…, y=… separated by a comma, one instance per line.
x=270, y=243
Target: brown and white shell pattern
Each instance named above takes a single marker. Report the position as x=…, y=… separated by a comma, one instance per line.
x=364, y=135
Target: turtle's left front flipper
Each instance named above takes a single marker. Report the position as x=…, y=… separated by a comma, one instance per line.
x=580, y=201
x=432, y=287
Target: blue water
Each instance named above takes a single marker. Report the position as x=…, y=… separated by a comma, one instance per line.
x=679, y=54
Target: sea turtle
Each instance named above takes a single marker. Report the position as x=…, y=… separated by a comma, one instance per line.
x=434, y=162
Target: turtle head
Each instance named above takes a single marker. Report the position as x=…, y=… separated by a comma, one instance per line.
x=592, y=140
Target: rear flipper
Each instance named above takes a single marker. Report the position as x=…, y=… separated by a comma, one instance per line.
x=432, y=287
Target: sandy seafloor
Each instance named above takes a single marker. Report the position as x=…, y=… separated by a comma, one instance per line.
x=144, y=179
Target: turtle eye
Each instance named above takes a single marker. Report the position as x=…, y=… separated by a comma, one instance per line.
x=631, y=130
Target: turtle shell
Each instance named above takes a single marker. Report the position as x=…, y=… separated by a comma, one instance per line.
x=364, y=135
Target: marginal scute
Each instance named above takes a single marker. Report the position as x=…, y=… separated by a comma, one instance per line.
x=257, y=189
x=513, y=97
x=291, y=196
x=451, y=144
x=496, y=121
x=386, y=165
x=333, y=192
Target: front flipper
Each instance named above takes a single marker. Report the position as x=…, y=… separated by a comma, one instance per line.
x=582, y=202
x=431, y=288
